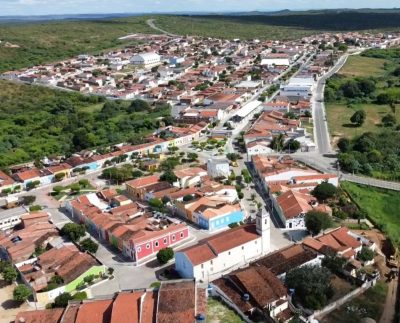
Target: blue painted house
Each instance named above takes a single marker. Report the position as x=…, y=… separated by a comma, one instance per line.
x=213, y=219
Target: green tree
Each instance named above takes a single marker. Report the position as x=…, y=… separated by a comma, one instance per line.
x=4, y=264
x=277, y=142
x=317, y=221
x=188, y=198
x=324, y=191
x=384, y=98
x=73, y=231
x=62, y=300
x=389, y=120
x=232, y=156
x=365, y=254
x=156, y=203
x=358, y=117
x=164, y=255
x=58, y=189
x=311, y=285
x=334, y=263
x=192, y=157
x=10, y=274
x=139, y=106
x=344, y=145
x=21, y=293
x=84, y=183
x=35, y=208
x=59, y=177
x=169, y=177
x=293, y=145
x=75, y=188
x=88, y=279
x=80, y=296
x=89, y=245
x=28, y=199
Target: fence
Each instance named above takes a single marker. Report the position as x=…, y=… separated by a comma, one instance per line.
x=332, y=306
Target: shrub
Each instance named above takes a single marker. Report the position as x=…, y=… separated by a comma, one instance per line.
x=35, y=208
x=59, y=177
x=58, y=189
x=80, y=296
x=10, y=274
x=84, y=183
x=365, y=254
x=164, y=255
x=21, y=293
x=62, y=300
x=88, y=279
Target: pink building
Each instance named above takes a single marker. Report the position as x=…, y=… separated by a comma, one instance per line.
x=145, y=243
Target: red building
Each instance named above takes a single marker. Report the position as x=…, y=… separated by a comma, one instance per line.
x=146, y=243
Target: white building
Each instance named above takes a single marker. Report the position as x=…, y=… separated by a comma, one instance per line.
x=218, y=168
x=259, y=147
x=298, y=87
x=275, y=62
x=146, y=59
x=220, y=254
x=10, y=218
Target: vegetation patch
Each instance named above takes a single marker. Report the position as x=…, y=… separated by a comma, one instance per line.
x=362, y=102
x=217, y=312
x=381, y=206
x=370, y=304
x=37, y=121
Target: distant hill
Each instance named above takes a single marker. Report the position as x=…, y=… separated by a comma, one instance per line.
x=330, y=20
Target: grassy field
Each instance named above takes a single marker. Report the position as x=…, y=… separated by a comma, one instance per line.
x=363, y=66
x=45, y=42
x=339, y=119
x=217, y=312
x=370, y=304
x=382, y=207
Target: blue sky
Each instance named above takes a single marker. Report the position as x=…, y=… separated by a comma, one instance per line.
x=40, y=7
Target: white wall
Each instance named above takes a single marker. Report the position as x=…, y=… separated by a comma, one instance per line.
x=228, y=261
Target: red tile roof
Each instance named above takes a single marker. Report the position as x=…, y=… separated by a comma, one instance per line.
x=95, y=312
x=144, y=181
x=209, y=248
x=41, y=316
x=126, y=307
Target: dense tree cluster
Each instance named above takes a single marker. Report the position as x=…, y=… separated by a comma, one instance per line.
x=37, y=122
x=311, y=285
x=371, y=152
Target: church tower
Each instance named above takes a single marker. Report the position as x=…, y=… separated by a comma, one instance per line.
x=263, y=226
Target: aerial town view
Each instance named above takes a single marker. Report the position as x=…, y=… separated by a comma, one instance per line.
x=199, y=161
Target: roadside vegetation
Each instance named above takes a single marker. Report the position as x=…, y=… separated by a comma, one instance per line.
x=362, y=103
x=36, y=122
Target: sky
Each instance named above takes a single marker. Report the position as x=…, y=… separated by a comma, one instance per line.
x=45, y=7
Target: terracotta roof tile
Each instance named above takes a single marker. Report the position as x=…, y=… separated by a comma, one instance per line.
x=95, y=312
x=41, y=316
x=126, y=307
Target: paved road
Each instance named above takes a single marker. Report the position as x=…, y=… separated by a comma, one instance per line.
x=151, y=24
x=321, y=132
